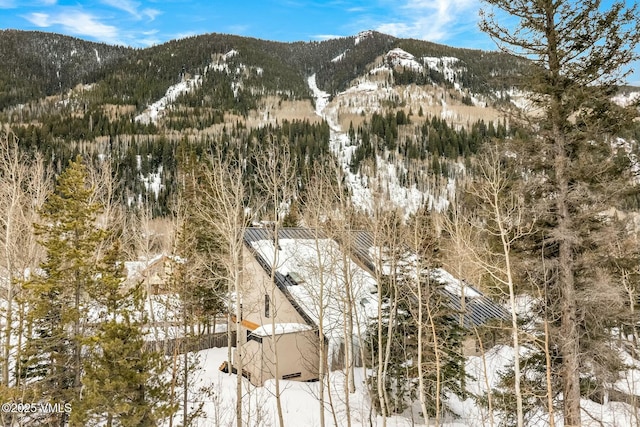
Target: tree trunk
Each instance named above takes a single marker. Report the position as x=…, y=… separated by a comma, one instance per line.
x=569, y=338
x=237, y=285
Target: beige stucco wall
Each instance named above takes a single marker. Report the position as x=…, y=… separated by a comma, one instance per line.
x=297, y=354
x=297, y=351
x=257, y=284
x=470, y=346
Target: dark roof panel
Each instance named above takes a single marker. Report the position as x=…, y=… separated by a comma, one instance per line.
x=478, y=309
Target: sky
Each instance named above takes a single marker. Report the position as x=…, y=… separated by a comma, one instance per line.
x=148, y=22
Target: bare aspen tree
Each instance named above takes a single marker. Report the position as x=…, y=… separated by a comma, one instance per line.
x=502, y=218
x=221, y=205
x=341, y=230
x=25, y=185
x=276, y=178
x=320, y=214
x=421, y=241
x=385, y=227
x=144, y=245
x=103, y=180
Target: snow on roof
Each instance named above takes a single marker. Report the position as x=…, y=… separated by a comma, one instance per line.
x=453, y=285
x=281, y=328
x=461, y=297
x=135, y=268
x=326, y=272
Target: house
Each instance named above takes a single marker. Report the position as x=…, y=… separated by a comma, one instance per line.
x=310, y=276
x=154, y=273
x=314, y=280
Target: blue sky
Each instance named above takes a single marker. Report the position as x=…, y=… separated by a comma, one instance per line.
x=141, y=23
x=144, y=22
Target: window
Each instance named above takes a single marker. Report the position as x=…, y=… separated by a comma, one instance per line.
x=252, y=337
x=267, y=304
x=289, y=376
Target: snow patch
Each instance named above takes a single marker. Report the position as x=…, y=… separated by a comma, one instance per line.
x=230, y=54
x=400, y=58
x=362, y=35
x=626, y=99
x=340, y=57
x=444, y=64
x=156, y=110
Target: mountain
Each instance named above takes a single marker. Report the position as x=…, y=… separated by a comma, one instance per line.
x=37, y=64
x=399, y=114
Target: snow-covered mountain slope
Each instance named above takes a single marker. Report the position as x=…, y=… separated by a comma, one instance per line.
x=371, y=190
x=626, y=98
x=155, y=111
x=450, y=67
x=220, y=63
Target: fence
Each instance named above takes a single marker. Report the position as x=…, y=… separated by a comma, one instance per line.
x=179, y=345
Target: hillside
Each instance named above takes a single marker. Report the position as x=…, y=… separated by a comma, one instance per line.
x=60, y=62
x=35, y=64
x=64, y=96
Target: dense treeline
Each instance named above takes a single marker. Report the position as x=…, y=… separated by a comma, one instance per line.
x=433, y=139
x=66, y=128
x=147, y=166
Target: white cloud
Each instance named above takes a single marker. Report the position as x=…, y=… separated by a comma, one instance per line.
x=325, y=36
x=434, y=20
x=132, y=8
x=151, y=13
x=77, y=23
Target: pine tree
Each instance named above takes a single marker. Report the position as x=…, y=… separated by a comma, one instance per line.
x=59, y=295
x=122, y=381
x=578, y=50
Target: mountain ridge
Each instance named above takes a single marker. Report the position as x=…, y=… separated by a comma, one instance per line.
x=38, y=64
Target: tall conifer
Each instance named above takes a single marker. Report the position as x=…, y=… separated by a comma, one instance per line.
x=580, y=50
x=58, y=294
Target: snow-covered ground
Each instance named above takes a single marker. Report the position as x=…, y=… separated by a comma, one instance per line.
x=300, y=402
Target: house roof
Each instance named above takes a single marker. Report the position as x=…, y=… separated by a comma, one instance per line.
x=307, y=259
x=253, y=235
x=461, y=297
